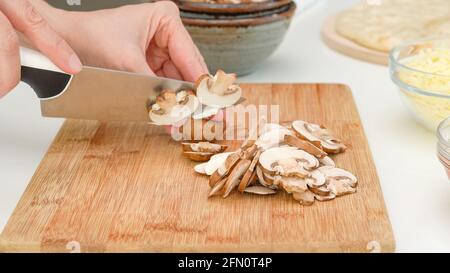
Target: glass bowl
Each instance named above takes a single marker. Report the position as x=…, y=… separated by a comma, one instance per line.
x=443, y=135
x=425, y=92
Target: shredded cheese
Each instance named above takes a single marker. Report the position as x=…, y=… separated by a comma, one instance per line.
x=432, y=75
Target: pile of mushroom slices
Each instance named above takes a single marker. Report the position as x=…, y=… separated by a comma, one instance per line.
x=212, y=93
x=276, y=158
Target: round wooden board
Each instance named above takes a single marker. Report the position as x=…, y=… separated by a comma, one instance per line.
x=348, y=47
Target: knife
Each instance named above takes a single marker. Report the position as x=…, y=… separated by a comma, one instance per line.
x=94, y=93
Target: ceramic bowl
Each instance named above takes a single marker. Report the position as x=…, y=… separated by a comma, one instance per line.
x=238, y=43
x=230, y=6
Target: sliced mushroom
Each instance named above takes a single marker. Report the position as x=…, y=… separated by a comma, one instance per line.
x=316, y=133
x=272, y=138
x=259, y=190
x=262, y=179
x=218, y=188
x=215, y=162
x=322, y=191
x=235, y=176
x=339, y=182
x=339, y=187
x=247, y=178
x=250, y=152
x=333, y=173
x=323, y=198
x=305, y=198
x=171, y=107
x=287, y=161
x=224, y=169
x=219, y=91
x=304, y=145
x=293, y=184
x=198, y=156
x=327, y=161
x=206, y=147
x=200, y=168
x=316, y=180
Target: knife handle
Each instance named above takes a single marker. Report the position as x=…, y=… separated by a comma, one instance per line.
x=46, y=79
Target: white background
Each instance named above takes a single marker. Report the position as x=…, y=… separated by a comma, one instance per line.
x=415, y=187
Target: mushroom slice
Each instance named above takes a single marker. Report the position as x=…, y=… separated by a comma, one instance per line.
x=219, y=91
x=316, y=180
x=206, y=147
x=235, y=176
x=224, y=169
x=218, y=187
x=215, y=162
x=322, y=191
x=292, y=184
x=200, y=168
x=262, y=179
x=250, y=152
x=259, y=190
x=287, y=161
x=314, y=133
x=337, y=174
x=171, y=107
x=198, y=156
x=304, y=145
x=305, y=198
x=272, y=138
x=247, y=178
x=327, y=161
x=323, y=198
x=339, y=187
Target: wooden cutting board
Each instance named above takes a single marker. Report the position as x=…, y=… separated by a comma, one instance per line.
x=109, y=187
x=347, y=47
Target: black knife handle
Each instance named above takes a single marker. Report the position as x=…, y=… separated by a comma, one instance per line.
x=42, y=75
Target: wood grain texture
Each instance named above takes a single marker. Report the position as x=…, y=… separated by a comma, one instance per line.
x=347, y=47
x=117, y=187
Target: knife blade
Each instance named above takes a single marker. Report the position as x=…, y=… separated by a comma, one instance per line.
x=94, y=93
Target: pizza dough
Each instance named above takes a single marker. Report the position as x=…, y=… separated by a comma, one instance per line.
x=384, y=24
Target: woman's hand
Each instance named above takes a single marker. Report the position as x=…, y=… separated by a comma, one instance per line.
x=146, y=38
x=20, y=15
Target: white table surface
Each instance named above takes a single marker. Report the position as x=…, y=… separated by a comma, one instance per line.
x=415, y=187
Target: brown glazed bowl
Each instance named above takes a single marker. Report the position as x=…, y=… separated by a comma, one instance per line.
x=238, y=43
x=230, y=6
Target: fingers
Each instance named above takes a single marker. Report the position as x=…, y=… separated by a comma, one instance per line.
x=185, y=55
x=182, y=50
x=25, y=18
x=9, y=56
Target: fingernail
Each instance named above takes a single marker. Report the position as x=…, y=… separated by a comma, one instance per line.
x=75, y=63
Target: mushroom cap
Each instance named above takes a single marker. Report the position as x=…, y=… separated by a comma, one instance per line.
x=212, y=91
x=316, y=133
x=175, y=112
x=287, y=161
